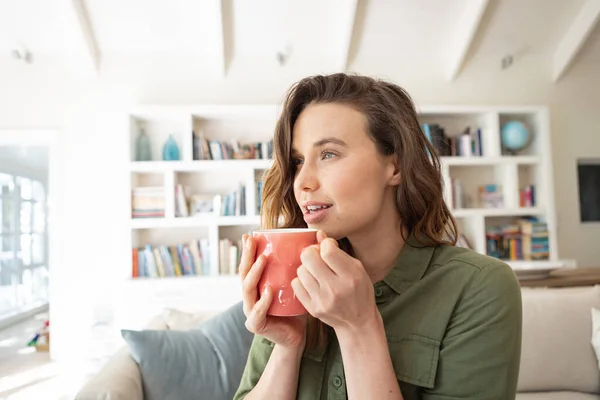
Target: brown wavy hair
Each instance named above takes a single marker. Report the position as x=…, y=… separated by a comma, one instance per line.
x=393, y=125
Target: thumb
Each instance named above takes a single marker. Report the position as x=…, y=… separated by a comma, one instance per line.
x=321, y=235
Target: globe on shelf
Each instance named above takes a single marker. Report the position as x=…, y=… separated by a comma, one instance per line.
x=515, y=136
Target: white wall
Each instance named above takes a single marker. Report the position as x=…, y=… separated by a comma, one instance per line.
x=93, y=181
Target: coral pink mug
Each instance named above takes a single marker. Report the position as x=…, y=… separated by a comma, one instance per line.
x=282, y=249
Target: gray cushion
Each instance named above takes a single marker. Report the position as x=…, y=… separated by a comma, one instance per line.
x=206, y=362
x=557, y=396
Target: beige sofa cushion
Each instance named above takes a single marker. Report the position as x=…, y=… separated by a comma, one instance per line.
x=176, y=320
x=557, y=353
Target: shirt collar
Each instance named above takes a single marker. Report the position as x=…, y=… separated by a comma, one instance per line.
x=411, y=265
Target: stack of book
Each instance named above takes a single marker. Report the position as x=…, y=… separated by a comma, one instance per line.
x=183, y=259
x=525, y=239
x=234, y=203
x=148, y=202
x=527, y=196
x=490, y=196
x=259, y=190
x=229, y=256
x=205, y=149
x=536, y=245
x=466, y=144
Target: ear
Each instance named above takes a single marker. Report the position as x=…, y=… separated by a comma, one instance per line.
x=394, y=175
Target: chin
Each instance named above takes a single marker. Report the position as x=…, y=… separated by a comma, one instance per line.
x=329, y=231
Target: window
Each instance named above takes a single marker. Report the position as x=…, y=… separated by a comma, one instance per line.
x=23, y=243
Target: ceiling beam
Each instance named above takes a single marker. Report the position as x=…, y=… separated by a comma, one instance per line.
x=575, y=38
x=467, y=29
x=80, y=38
x=347, y=17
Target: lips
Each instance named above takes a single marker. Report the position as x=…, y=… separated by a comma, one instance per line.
x=313, y=207
x=315, y=212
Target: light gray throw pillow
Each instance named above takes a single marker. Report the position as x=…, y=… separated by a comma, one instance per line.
x=206, y=362
x=596, y=332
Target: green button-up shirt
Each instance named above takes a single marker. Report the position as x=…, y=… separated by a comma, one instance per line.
x=453, y=324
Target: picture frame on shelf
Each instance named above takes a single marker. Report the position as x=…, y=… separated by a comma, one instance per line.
x=204, y=204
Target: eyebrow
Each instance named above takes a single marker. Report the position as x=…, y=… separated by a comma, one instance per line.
x=325, y=141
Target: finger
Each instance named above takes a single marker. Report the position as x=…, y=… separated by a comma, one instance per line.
x=302, y=294
x=308, y=281
x=250, y=284
x=248, y=256
x=337, y=259
x=258, y=316
x=321, y=235
x=311, y=259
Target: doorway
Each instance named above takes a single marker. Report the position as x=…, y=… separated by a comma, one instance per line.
x=27, y=175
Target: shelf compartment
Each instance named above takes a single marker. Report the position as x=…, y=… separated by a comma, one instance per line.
x=467, y=184
x=158, y=129
x=454, y=125
x=534, y=124
x=506, y=240
x=148, y=196
x=530, y=186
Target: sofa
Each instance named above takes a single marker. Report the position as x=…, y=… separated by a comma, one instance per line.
x=558, y=361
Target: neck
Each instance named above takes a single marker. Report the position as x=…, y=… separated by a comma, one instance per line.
x=379, y=247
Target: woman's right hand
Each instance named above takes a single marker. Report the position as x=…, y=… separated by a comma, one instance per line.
x=289, y=332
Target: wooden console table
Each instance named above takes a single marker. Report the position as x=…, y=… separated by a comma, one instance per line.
x=565, y=277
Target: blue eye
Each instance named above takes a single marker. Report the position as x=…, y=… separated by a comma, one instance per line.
x=327, y=155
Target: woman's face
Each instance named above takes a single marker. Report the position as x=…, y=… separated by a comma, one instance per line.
x=343, y=185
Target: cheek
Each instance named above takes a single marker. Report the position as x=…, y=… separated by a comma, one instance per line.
x=358, y=187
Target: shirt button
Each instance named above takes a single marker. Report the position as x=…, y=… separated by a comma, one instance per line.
x=337, y=381
x=378, y=292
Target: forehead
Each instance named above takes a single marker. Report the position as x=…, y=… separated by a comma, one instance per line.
x=318, y=121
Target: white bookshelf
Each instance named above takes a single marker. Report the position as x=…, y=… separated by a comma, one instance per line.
x=256, y=123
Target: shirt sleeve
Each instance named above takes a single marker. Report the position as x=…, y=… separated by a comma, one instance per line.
x=258, y=356
x=480, y=353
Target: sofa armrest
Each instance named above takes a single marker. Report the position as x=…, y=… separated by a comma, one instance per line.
x=119, y=379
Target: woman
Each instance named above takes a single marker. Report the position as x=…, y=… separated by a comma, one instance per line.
x=396, y=310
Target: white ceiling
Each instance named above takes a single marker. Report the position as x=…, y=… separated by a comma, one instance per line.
x=332, y=34
x=533, y=26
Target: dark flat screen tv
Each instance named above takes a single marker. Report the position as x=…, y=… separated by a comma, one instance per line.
x=588, y=173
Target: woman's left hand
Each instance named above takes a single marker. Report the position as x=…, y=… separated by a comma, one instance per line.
x=334, y=287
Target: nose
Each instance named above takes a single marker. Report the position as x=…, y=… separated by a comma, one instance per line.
x=306, y=178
